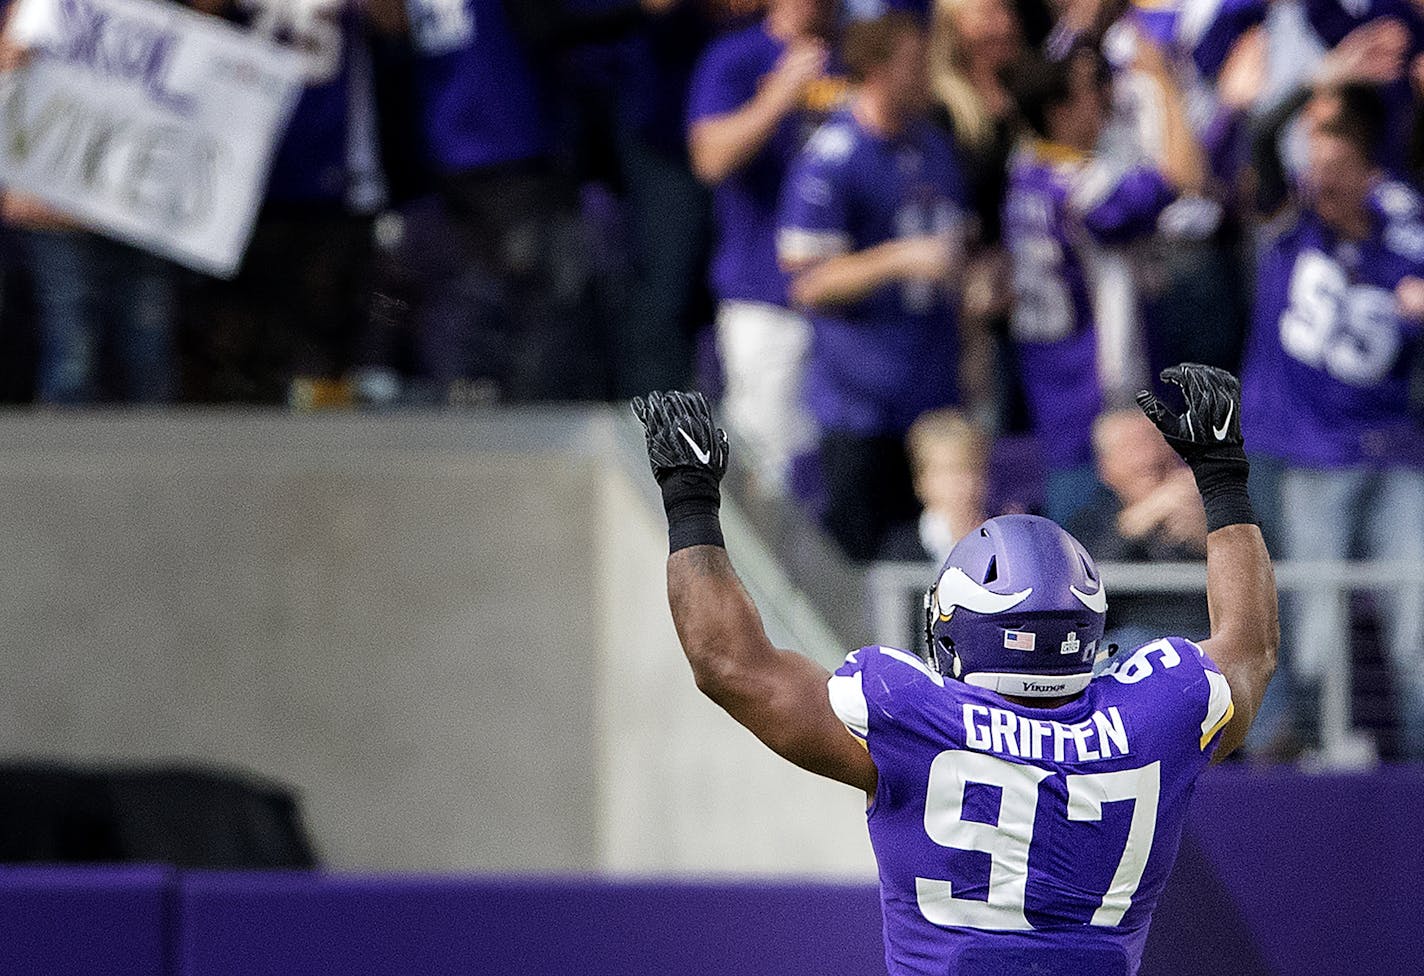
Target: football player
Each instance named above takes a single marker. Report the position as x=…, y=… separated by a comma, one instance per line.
x=1024, y=814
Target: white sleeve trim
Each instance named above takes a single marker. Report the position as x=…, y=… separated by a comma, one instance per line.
x=1218, y=706
x=847, y=693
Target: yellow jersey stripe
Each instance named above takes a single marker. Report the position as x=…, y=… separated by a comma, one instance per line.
x=1221, y=724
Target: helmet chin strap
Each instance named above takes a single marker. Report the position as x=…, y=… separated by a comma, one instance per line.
x=956, y=669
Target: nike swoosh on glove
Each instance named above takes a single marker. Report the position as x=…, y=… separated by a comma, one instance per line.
x=1207, y=435
x=681, y=435
x=1210, y=424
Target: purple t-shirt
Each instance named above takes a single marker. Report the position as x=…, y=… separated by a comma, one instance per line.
x=1013, y=839
x=481, y=101
x=878, y=363
x=1060, y=207
x=744, y=204
x=1329, y=363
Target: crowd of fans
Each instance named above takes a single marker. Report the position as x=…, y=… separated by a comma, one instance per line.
x=902, y=239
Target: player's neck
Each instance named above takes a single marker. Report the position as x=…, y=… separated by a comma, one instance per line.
x=1057, y=702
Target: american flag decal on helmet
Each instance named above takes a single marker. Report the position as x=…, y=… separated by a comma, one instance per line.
x=1019, y=640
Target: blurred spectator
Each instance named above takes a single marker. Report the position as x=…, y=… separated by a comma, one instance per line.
x=1151, y=512
x=619, y=71
x=949, y=461
x=509, y=306
x=1338, y=334
x=972, y=44
x=1064, y=205
x=1333, y=21
x=626, y=68
x=285, y=328
x=756, y=96
x=1158, y=513
x=98, y=302
x=871, y=226
x=1346, y=81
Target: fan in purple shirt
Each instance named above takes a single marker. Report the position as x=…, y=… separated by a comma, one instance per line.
x=510, y=307
x=756, y=96
x=1336, y=346
x=468, y=53
x=871, y=218
x=1064, y=205
x=778, y=68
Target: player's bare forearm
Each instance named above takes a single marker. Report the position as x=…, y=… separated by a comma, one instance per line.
x=1240, y=585
x=1245, y=626
x=778, y=695
x=719, y=626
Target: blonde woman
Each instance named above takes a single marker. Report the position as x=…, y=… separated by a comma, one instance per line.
x=973, y=42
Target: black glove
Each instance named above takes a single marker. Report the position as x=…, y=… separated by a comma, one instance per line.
x=1207, y=435
x=688, y=455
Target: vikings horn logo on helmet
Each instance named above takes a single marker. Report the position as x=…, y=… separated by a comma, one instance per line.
x=955, y=589
x=1097, y=601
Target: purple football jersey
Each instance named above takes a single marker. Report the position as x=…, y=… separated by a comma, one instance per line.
x=1060, y=206
x=728, y=76
x=480, y=99
x=1329, y=363
x=878, y=363
x=1013, y=839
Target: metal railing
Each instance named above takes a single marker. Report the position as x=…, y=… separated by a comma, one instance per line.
x=894, y=590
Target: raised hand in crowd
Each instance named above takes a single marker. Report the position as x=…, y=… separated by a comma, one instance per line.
x=1372, y=53
x=1409, y=299
x=1243, y=75
x=803, y=62
x=1180, y=157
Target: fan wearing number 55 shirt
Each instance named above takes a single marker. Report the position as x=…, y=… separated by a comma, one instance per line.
x=1336, y=344
x=1024, y=814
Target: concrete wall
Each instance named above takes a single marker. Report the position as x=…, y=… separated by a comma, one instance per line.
x=449, y=632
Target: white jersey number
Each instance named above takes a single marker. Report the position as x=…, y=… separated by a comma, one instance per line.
x=1043, y=310
x=1007, y=841
x=942, y=218
x=1349, y=331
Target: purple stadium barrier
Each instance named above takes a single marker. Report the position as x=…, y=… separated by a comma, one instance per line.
x=110, y=921
x=1280, y=874
x=1284, y=873
x=235, y=925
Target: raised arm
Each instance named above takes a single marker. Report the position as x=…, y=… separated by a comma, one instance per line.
x=780, y=696
x=719, y=145
x=1241, y=587
x=1180, y=158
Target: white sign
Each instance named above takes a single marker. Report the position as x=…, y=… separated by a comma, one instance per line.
x=146, y=122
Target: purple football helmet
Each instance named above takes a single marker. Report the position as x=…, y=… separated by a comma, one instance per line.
x=1018, y=608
